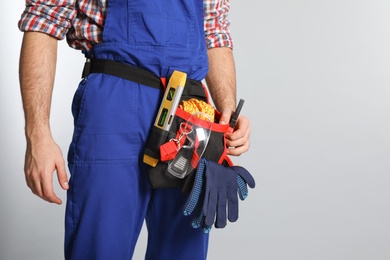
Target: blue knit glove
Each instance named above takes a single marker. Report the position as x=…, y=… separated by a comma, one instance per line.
x=214, y=187
x=222, y=186
x=196, y=199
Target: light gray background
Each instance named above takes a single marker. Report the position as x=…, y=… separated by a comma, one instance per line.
x=315, y=77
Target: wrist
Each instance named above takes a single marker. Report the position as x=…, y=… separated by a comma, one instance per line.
x=37, y=133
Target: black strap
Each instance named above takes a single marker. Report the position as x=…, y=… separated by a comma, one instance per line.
x=193, y=88
x=122, y=70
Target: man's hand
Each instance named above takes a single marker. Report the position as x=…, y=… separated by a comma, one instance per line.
x=237, y=141
x=42, y=159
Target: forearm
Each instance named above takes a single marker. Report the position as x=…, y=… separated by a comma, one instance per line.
x=221, y=79
x=43, y=156
x=36, y=74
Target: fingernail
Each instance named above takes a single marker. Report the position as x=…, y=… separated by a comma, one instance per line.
x=66, y=185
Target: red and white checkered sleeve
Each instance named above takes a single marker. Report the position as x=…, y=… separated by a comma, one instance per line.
x=53, y=17
x=216, y=24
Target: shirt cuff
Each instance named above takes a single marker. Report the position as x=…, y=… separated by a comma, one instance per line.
x=46, y=19
x=219, y=39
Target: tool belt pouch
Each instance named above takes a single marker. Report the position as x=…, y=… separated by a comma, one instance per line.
x=159, y=176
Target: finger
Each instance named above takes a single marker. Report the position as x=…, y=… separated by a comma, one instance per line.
x=242, y=188
x=34, y=185
x=206, y=202
x=211, y=209
x=236, y=151
x=48, y=191
x=233, y=206
x=198, y=188
x=225, y=116
x=238, y=146
x=240, y=141
x=42, y=190
x=61, y=175
x=206, y=229
x=198, y=217
x=242, y=130
x=245, y=175
x=33, y=182
x=221, y=212
x=238, y=134
x=50, y=196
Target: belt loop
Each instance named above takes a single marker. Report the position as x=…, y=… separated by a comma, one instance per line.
x=87, y=69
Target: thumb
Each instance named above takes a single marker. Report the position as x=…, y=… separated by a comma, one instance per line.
x=246, y=176
x=225, y=116
x=61, y=175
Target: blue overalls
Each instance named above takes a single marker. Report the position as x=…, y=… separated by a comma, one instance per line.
x=109, y=195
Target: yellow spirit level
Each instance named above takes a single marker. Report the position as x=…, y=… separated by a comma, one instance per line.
x=170, y=100
x=168, y=107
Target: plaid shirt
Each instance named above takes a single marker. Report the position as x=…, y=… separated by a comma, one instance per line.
x=81, y=21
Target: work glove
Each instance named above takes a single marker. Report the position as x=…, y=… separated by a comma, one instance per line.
x=215, y=187
x=222, y=186
x=196, y=199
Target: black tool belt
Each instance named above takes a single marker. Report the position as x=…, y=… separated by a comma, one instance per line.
x=158, y=175
x=122, y=70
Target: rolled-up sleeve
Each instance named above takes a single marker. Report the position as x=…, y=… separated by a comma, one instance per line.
x=53, y=17
x=216, y=24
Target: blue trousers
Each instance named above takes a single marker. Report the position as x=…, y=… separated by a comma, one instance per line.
x=109, y=195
